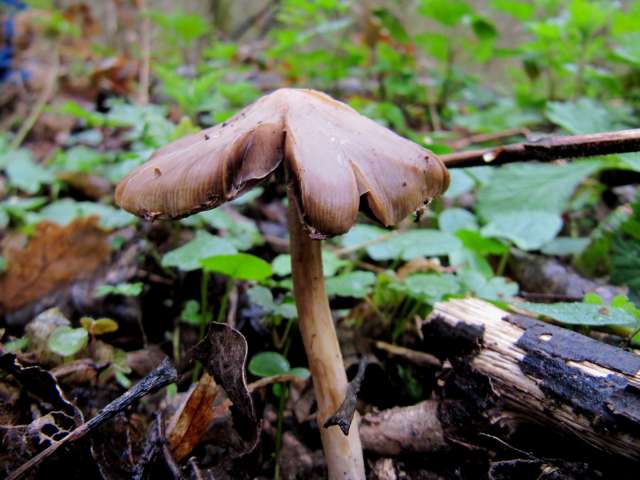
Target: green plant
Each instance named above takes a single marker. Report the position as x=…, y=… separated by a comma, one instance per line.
x=267, y=364
x=67, y=341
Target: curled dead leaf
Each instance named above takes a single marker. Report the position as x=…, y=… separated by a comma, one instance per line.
x=223, y=353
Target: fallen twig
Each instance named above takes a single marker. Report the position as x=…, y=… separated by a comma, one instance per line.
x=488, y=137
x=44, y=98
x=422, y=359
x=160, y=377
x=548, y=149
x=145, y=44
x=344, y=415
x=282, y=378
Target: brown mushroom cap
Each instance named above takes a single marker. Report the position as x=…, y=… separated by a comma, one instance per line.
x=333, y=154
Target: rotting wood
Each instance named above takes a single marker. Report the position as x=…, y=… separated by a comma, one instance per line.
x=543, y=374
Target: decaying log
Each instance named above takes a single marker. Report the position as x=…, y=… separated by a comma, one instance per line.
x=541, y=374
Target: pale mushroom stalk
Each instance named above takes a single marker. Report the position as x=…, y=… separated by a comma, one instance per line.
x=337, y=162
x=343, y=454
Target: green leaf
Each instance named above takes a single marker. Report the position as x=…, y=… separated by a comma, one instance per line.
x=434, y=44
x=623, y=302
x=67, y=341
x=447, y=12
x=126, y=289
x=3, y=264
x=331, y=264
x=392, y=23
x=17, y=345
x=471, y=259
x=20, y=209
x=238, y=230
x=191, y=313
x=593, y=298
x=360, y=234
x=79, y=159
x=583, y=116
x=454, y=219
x=520, y=9
x=263, y=297
x=527, y=186
x=24, y=174
x=103, y=325
x=90, y=118
x=484, y=29
x=475, y=242
x=581, y=313
x=281, y=265
x=122, y=379
x=528, y=229
x=268, y=364
x=183, y=26
x=625, y=263
x=239, y=266
x=565, y=246
x=301, y=372
x=67, y=210
x=494, y=288
x=203, y=245
x=431, y=287
x=357, y=284
x=461, y=182
x=502, y=115
x=414, y=243
x=628, y=48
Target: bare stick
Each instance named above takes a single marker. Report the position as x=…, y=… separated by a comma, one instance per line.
x=160, y=377
x=488, y=137
x=44, y=98
x=266, y=381
x=344, y=415
x=145, y=45
x=548, y=149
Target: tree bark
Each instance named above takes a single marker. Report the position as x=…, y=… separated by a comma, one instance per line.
x=548, y=149
x=343, y=454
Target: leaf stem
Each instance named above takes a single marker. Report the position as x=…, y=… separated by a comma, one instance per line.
x=503, y=261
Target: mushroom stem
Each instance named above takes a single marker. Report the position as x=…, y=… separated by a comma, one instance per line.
x=343, y=454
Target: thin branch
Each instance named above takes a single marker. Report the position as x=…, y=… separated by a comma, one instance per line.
x=281, y=378
x=489, y=137
x=145, y=45
x=162, y=376
x=344, y=415
x=548, y=149
x=45, y=97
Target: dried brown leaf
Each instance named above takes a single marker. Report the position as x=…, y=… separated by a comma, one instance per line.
x=55, y=256
x=193, y=418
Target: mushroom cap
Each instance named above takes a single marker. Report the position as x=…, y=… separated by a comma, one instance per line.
x=337, y=161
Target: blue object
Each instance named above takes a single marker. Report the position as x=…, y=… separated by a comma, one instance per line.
x=7, y=51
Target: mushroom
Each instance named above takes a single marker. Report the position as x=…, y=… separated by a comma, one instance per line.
x=336, y=162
